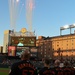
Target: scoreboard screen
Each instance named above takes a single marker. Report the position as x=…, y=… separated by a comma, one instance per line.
x=23, y=41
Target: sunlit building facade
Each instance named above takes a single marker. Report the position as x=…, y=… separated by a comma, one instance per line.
x=57, y=46
x=1, y=49
x=6, y=40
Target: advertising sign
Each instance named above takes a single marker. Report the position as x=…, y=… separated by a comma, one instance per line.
x=11, y=50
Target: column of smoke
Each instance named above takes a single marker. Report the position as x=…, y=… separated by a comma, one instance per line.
x=29, y=9
x=13, y=9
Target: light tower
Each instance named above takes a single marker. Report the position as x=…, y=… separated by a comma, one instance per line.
x=67, y=27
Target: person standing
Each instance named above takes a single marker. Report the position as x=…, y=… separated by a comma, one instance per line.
x=23, y=67
x=46, y=70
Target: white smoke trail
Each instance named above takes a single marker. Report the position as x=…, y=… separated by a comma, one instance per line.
x=21, y=9
x=13, y=8
x=29, y=9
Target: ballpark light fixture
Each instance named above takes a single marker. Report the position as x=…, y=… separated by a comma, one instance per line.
x=67, y=27
x=72, y=26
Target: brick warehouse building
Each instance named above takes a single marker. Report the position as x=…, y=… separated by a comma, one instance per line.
x=57, y=46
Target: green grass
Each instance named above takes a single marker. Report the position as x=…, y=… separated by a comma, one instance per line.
x=4, y=68
x=4, y=71
x=1, y=73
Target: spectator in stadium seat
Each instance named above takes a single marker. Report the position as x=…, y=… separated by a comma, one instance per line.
x=58, y=67
x=46, y=70
x=67, y=69
x=23, y=67
x=56, y=63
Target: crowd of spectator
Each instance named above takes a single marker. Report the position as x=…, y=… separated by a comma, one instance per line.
x=37, y=63
x=55, y=65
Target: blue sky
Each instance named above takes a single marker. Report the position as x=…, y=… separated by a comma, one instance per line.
x=48, y=17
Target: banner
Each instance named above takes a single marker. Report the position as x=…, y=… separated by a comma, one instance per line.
x=11, y=50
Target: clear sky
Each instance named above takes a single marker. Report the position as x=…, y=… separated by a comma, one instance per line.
x=48, y=17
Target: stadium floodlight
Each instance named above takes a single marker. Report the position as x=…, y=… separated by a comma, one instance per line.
x=74, y=24
x=65, y=27
x=61, y=28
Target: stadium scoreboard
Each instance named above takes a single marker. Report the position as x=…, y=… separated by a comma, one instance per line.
x=23, y=41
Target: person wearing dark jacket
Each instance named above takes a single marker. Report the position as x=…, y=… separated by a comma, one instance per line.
x=46, y=70
x=23, y=67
